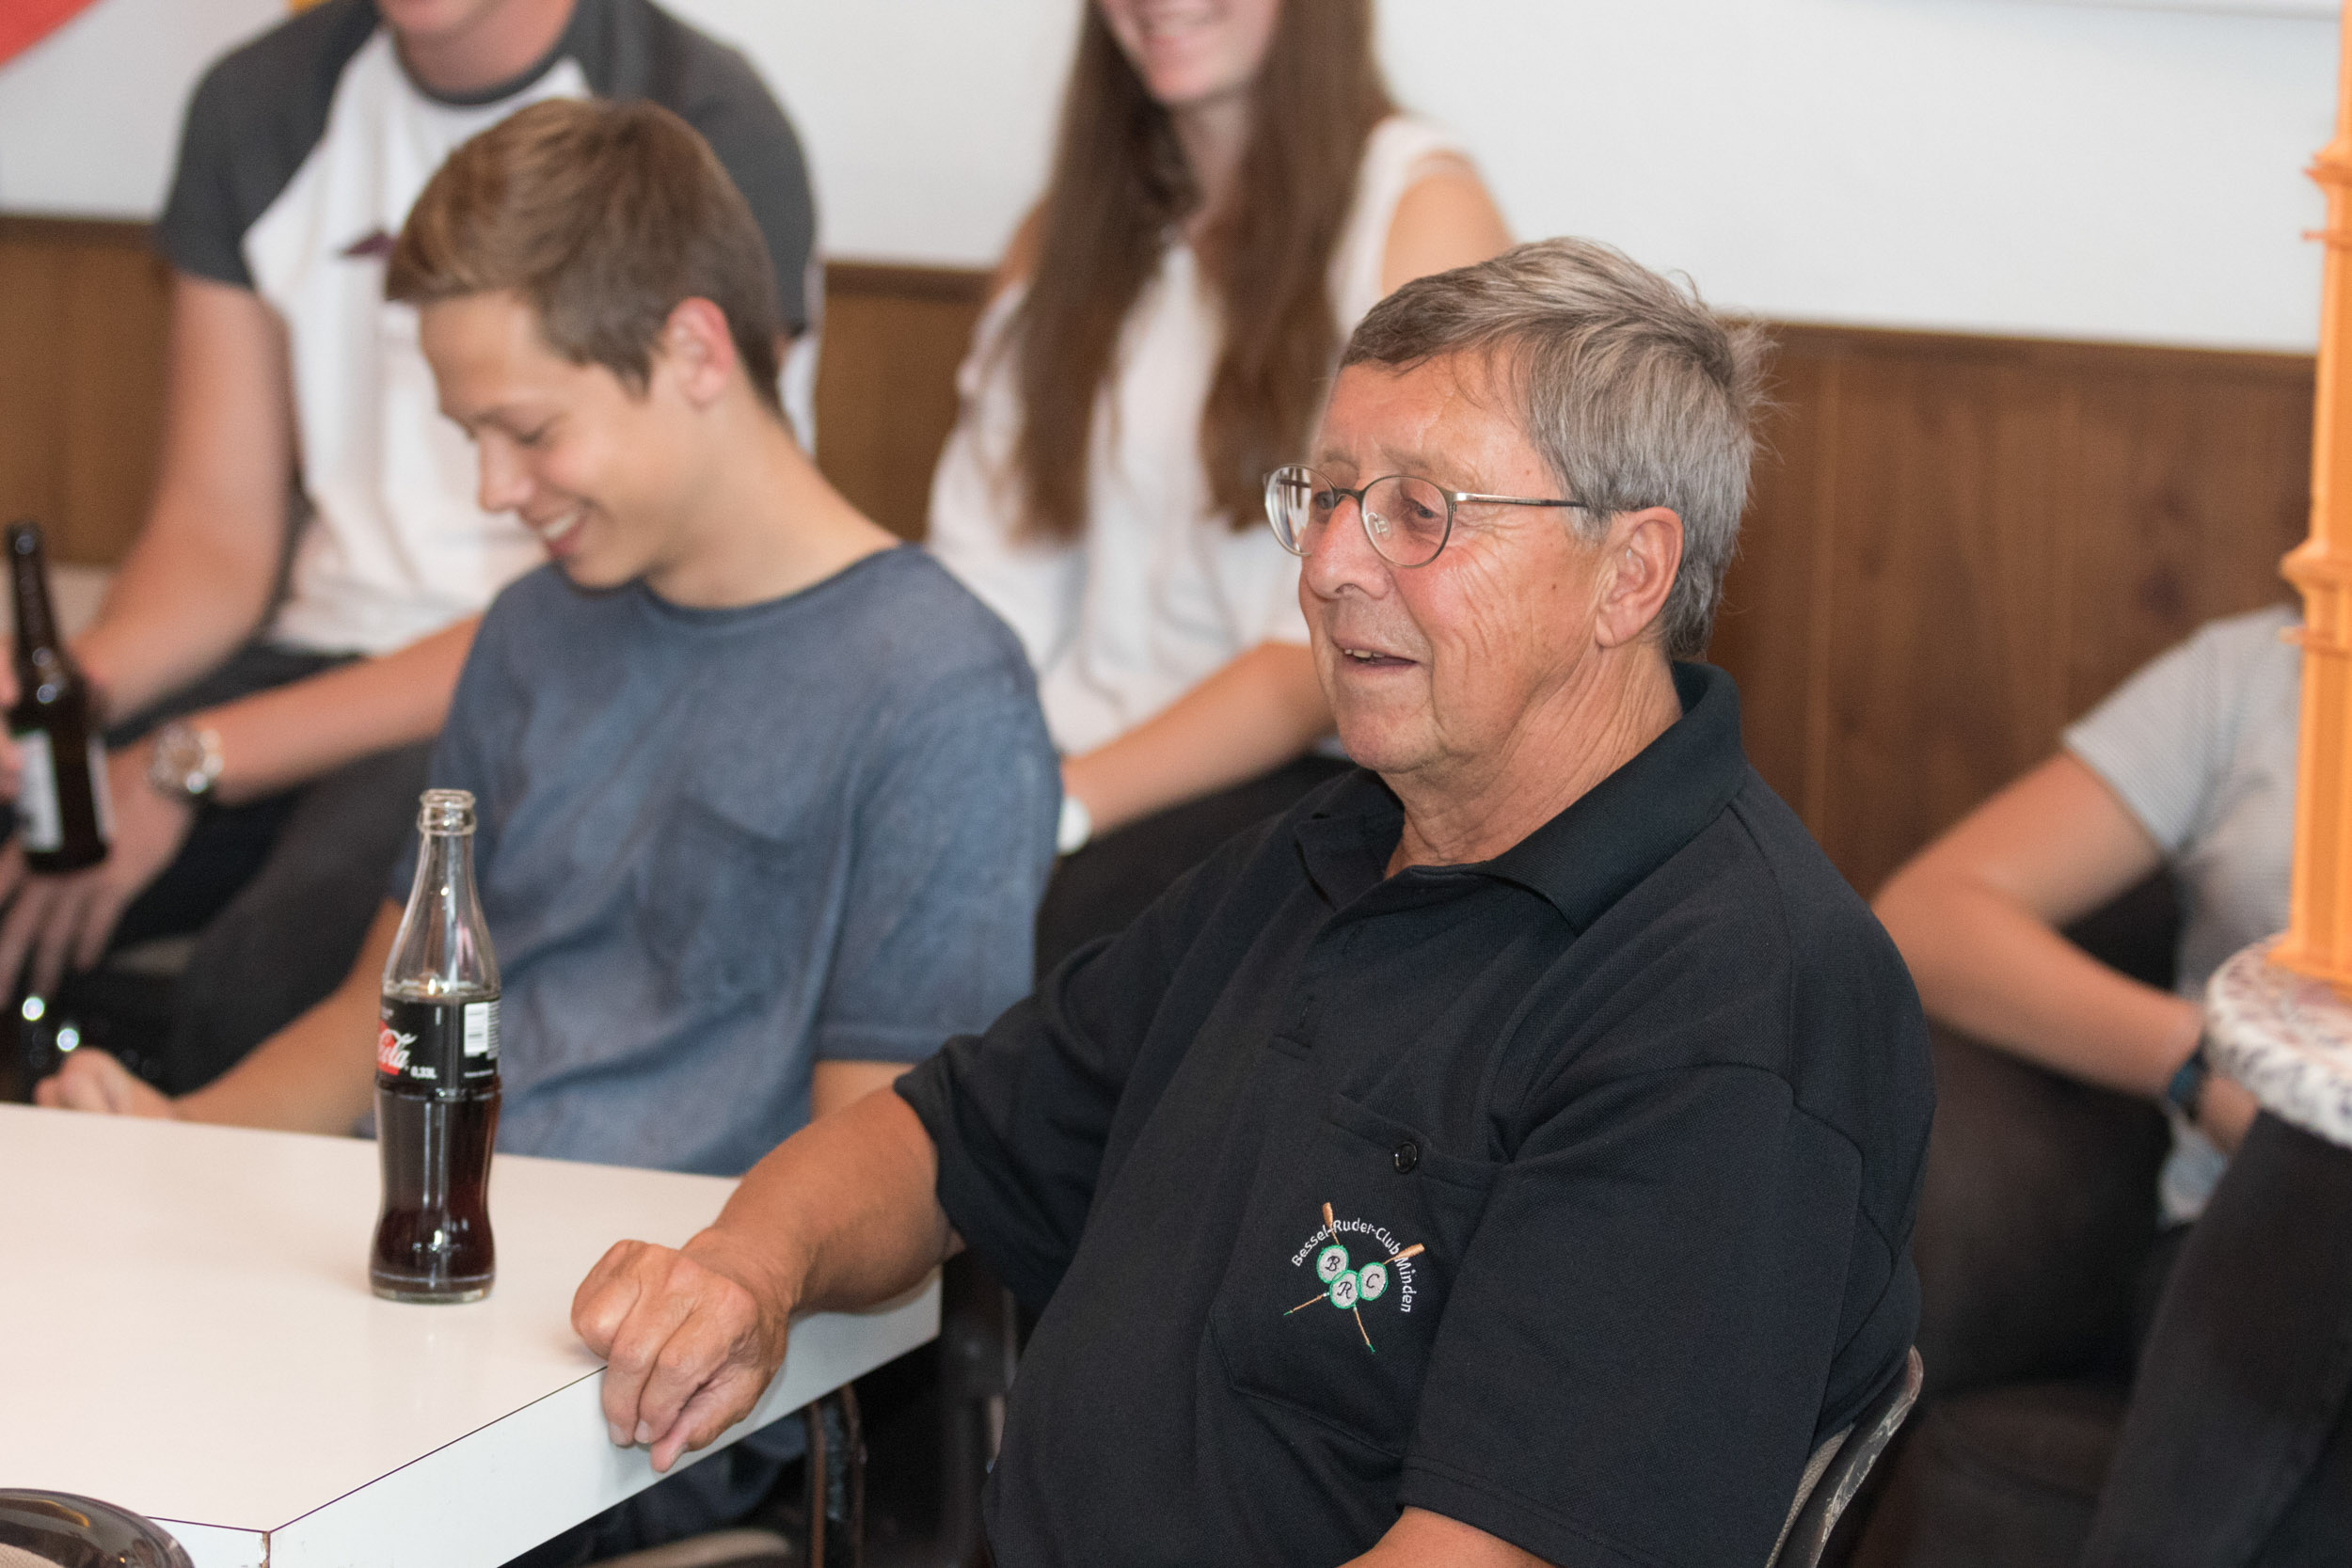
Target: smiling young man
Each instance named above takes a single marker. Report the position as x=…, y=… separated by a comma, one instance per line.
x=276, y=672
x=1505, y=1156
x=766, y=800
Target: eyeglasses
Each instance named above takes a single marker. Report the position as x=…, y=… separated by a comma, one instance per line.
x=1407, y=520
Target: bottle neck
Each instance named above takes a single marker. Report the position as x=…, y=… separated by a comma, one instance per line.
x=36, y=624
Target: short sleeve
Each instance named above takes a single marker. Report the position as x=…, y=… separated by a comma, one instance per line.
x=1021, y=1115
x=954, y=839
x=761, y=152
x=1672, y=1249
x=2162, y=740
x=201, y=231
x=478, y=710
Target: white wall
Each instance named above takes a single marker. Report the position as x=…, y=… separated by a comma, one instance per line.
x=2000, y=165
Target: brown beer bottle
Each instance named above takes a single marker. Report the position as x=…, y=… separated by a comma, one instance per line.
x=437, y=1075
x=62, y=811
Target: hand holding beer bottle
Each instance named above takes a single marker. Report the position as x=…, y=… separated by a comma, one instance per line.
x=62, y=811
x=437, y=1075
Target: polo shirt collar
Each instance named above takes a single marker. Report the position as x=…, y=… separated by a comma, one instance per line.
x=1592, y=853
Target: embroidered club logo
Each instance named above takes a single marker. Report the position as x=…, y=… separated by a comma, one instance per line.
x=1347, y=1286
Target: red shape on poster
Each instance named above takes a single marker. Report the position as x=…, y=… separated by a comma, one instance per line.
x=25, y=23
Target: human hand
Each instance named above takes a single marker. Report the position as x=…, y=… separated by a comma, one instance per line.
x=2225, y=1109
x=688, y=1341
x=54, y=920
x=91, y=1080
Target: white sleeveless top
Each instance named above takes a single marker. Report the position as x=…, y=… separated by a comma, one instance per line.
x=1159, y=592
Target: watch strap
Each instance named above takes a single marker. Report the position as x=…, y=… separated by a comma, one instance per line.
x=2187, y=1086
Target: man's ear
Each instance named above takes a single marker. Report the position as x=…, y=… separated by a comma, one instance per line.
x=1643, y=552
x=696, y=352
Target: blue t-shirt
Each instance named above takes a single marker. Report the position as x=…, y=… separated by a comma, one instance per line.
x=719, y=847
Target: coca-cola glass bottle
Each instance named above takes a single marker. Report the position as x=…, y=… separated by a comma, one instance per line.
x=437, y=1074
x=61, y=806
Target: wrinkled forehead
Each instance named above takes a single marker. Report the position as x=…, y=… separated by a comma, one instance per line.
x=1453, y=418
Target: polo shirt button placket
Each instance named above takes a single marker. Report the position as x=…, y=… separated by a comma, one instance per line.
x=1407, y=1155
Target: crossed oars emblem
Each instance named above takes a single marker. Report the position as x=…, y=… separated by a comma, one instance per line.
x=1347, y=1289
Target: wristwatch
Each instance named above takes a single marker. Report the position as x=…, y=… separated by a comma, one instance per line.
x=187, y=762
x=2186, y=1086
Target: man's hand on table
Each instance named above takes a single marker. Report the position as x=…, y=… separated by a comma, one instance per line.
x=92, y=1081
x=689, y=1338
x=56, y=920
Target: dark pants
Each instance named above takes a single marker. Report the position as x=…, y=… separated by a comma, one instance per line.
x=2237, y=1447
x=278, y=893
x=1099, y=890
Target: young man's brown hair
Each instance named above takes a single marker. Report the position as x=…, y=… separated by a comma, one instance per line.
x=603, y=216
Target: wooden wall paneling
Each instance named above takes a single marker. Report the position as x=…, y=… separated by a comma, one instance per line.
x=2195, y=480
x=33, y=351
x=1956, y=545
x=1942, y=643
x=82, y=314
x=886, y=385
x=1773, y=604
x=118, y=304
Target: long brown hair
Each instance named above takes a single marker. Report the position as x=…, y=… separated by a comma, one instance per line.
x=1120, y=183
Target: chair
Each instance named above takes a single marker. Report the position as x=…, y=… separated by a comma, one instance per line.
x=1840, y=1466
x=2035, y=1221
x=831, y=1533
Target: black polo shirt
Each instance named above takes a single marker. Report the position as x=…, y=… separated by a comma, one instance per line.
x=1566, y=1193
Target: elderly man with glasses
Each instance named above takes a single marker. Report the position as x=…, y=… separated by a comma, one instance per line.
x=1508, y=1154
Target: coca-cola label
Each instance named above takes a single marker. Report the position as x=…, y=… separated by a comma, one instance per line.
x=443, y=1044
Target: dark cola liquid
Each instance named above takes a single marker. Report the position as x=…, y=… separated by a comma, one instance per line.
x=436, y=1116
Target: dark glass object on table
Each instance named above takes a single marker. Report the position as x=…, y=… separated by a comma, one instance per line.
x=62, y=813
x=80, y=1532
x=437, y=1075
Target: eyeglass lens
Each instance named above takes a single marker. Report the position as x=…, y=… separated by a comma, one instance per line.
x=1404, y=518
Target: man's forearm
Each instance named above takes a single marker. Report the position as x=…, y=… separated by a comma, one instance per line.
x=843, y=1213
x=177, y=608
x=292, y=733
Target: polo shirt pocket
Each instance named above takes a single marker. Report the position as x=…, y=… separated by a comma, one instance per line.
x=1341, y=1268
x=717, y=901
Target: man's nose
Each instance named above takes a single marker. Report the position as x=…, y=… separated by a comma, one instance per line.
x=1339, y=555
x=505, y=482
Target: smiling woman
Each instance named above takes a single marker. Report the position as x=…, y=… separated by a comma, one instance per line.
x=1232, y=191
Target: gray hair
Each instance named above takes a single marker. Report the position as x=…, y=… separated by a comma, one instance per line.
x=1633, y=391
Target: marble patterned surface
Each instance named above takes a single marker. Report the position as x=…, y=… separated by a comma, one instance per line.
x=2286, y=1037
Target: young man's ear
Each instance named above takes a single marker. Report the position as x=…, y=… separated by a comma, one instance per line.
x=696, y=351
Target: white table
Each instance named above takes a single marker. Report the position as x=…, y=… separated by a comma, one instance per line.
x=186, y=1331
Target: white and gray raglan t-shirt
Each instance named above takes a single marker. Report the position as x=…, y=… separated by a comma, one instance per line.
x=302, y=153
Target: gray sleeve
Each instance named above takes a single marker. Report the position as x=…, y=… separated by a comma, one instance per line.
x=954, y=840
x=749, y=132
x=716, y=90
x=202, y=230
x=2162, y=740
x=460, y=760
x=255, y=117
